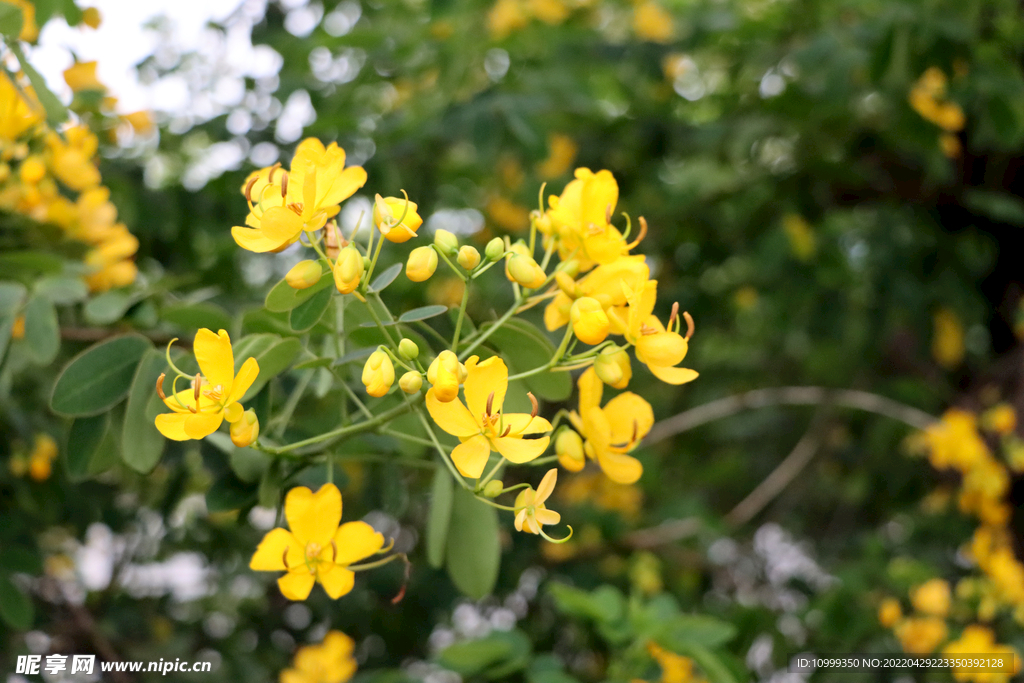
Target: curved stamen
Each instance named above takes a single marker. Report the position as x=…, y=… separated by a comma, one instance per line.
x=160, y=386
x=284, y=185
x=334, y=552
x=284, y=558
x=197, y=385
x=248, y=190
x=690, y=327
x=540, y=529
x=536, y=405
x=490, y=404
x=675, y=314
x=170, y=362
x=641, y=236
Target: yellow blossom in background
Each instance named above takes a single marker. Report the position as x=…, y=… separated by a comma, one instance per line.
x=40, y=460
x=801, y=237
x=18, y=328
x=745, y=298
x=889, y=612
x=81, y=76
x=483, y=426
x=921, y=635
x=947, y=338
x=16, y=115
x=954, y=441
x=29, y=29
x=91, y=17
x=318, y=548
x=140, y=121
x=71, y=157
x=931, y=597
x=977, y=640
x=331, y=661
x=593, y=488
x=507, y=214
x=551, y=12
x=561, y=155
x=674, y=668
x=950, y=145
x=506, y=17
x=530, y=510
x=612, y=432
x=213, y=397
x=569, y=449
x=928, y=98
x=652, y=22
x=1001, y=419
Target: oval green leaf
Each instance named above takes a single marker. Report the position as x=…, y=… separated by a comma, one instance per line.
x=283, y=297
x=98, y=378
x=108, y=307
x=192, y=317
x=441, y=495
x=42, y=331
x=307, y=314
x=422, y=313
x=84, y=440
x=141, y=443
x=386, y=277
x=473, y=551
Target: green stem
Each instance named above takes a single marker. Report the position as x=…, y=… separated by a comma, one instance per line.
x=551, y=363
x=543, y=461
x=462, y=315
x=375, y=564
x=440, y=449
x=380, y=323
x=373, y=261
x=482, y=337
x=494, y=470
x=281, y=421
x=455, y=269
x=493, y=504
x=347, y=430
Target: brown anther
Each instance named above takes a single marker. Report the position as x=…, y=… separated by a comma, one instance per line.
x=296, y=207
x=608, y=214
x=642, y=235
x=284, y=185
x=689, y=324
x=508, y=429
x=334, y=551
x=536, y=405
x=273, y=170
x=490, y=403
x=284, y=558
x=248, y=189
x=636, y=430
x=647, y=330
x=160, y=386
x=197, y=385
x=675, y=314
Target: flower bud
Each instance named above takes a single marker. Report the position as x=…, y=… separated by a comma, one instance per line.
x=32, y=170
x=613, y=367
x=444, y=375
x=408, y=350
x=378, y=373
x=410, y=382
x=570, y=267
x=246, y=429
x=91, y=17
x=567, y=285
x=396, y=218
x=469, y=257
x=493, y=488
x=569, y=449
x=304, y=274
x=348, y=270
x=542, y=221
x=495, y=249
x=421, y=264
x=446, y=242
x=589, y=321
x=525, y=271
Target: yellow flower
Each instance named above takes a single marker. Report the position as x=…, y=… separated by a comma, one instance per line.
x=91, y=17
x=214, y=395
x=611, y=432
x=378, y=373
x=507, y=214
x=561, y=153
x=396, y=218
x=348, y=270
x=329, y=662
x=421, y=264
x=286, y=204
x=71, y=160
x=931, y=597
x=40, y=461
x=445, y=373
x=608, y=284
x=246, y=430
x=16, y=115
x=674, y=668
x=304, y=274
x=318, y=548
x=531, y=513
x=505, y=17
x=979, y=641
x=613, y=367
x=569, y=449
x=921, y=635
x=483, y=427
x=1000, y=418
x=526, y=271
x=589, y=321
x=801, y=236
x=660, y=349
x=18, y=328
x=469, y=257
x=950, y=145
x=411, y=382
x=948, y=339
x=580, y=220
x=889, y=612
x=652, y=22
x=81, y=76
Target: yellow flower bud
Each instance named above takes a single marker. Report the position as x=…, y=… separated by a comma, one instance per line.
x=589, y=321
x=446, y=242
x=410, y=382
x=889, y=612
x=613, y=367
x=525, y=271
x=408, y=350
x=567, y=285
x=348, y=270
x=421, y=264
x=493, y=488
x=304, y=274
x=18, y=329
x=445, y=374
x=91, y=17
x=378, y=373
x=32, y=170
x=40, y=461
x=469, y=257
x=569, y=449
x=246, y=429
x=495, y=249
x=661, y=348
x=396, y=218
x=570, y=267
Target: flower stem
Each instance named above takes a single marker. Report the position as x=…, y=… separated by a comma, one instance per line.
x=551, y=363
x=482, y=337
x=462, y=315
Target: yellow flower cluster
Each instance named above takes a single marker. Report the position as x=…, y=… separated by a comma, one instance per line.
x=331, y=661
x=508, y=16
x=674, y=668
x=52, y=177
x=928, y=98
x=39, y=463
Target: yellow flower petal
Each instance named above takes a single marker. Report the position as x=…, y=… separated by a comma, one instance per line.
x=482, y=379
x=623, y=412
x=295, y=676
x=624, y=469
x=591, y=388
x=270, y=554
x=337, y=581
x=281, y=225
x=252, y=239
x=313, y=517
x=662, y=348
x=452, y=417
x=470, y=457
x=346, y=184
x=296, y=585
x=519, y=450
x=201, y=425
x=244, y=379
x=548, y=517
x=522, y=423
x=673, y=375
x=546, y=487
x=356, y=541
x=172, y=426
x=338, y=645
x=215, y=358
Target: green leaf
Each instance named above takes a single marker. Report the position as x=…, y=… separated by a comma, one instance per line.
x=999, y=206
x=422, y=313
x=62, y=289
x=473, y=551
x=15, y=607
x=386, y=277
x=313, y=363
x=20, y=559
x=606, y=604
x=11, y=296
x=42, y=331
x=229, y=493
x=307, y=314
x=712, y=665
x=695, y=629
x=56, y=113
x=192, y=317
x=283, y=297
x=84, y=439
x=357, y=355
x=98, y=378
x=141, y=443
x=526, y=348
x=11, y=20
x=273, y=354
x=30, y=262
x=497, y=655
x=269, y=493
x=440, y=515
x=108, y=307
x=248, y=463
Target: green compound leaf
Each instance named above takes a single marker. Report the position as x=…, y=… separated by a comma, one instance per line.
x=98, y=378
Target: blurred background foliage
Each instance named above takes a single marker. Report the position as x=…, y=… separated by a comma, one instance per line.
x=823, y=224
